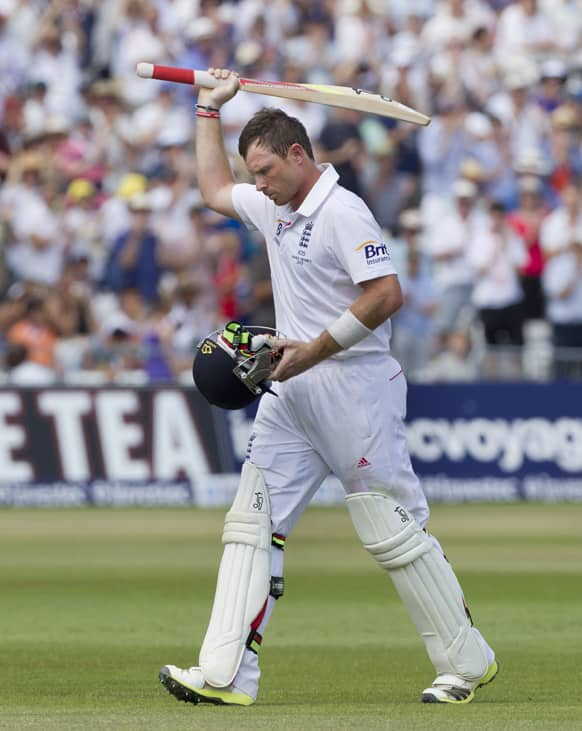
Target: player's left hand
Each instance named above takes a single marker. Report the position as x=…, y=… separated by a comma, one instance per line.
x=295, y=358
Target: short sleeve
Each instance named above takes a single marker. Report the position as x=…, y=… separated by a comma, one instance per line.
x=360, y=245
x=252, y=207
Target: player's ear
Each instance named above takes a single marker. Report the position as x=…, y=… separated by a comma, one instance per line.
x=296, y=153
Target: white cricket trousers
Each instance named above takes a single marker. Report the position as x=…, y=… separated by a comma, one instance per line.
x=344, y=417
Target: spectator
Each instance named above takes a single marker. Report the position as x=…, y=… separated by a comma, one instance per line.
x=312, y=47
x=36, y=333
x=114, y=349
x=36, y=249
x=412, y=333
x=562, y=148
x=478, y=68
x=231, y=279
x=13, y=58
x=524, y=120
x=161, y=121
x=525, y=28
x=35, y=109
x=137, y=39
x=458, y=360
x=442, y=146
x=551, y=93
x=57, y=65
x=190, y=317
x=80, y=223
x=526, y=222
x=70, y=304
x=563, y=286
x=497, y=255
x=455, y=19
x=562, y=229
x=386, y=190
x=114, y=215
x=340, y=143
x=25, y=372
x=134, y=258
x=448, y=242
x=156, y=343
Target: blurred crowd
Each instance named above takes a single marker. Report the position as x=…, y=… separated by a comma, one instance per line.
x=111, y=267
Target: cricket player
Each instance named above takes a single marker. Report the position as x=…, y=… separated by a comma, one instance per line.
x=339, y=408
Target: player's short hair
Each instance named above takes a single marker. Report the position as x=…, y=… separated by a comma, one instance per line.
x=276, y=131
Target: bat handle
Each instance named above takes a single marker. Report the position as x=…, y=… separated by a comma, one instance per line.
x=178, y=75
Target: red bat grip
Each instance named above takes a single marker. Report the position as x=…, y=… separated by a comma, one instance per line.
x=178, y=75
x=171, y=73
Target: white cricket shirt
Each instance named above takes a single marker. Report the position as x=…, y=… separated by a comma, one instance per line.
x=318, y=254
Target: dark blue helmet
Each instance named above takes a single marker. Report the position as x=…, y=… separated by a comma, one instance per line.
x=231, y=366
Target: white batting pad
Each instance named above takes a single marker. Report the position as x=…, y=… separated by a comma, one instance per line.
x=243, y=579
x=425, y=581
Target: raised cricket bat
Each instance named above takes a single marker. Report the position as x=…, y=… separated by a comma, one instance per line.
x=334, y=96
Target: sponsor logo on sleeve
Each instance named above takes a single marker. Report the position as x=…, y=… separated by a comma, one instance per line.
x=375, y=252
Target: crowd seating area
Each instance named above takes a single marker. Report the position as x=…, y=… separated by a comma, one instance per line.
x=112, y=268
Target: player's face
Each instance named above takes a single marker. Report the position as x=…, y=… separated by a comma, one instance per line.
x=277, y=178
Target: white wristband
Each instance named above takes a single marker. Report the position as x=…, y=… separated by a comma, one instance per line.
x=347, y=330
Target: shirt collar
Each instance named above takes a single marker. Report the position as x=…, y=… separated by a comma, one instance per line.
x=320, y=190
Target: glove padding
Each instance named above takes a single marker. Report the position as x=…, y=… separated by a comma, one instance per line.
x=256, y=355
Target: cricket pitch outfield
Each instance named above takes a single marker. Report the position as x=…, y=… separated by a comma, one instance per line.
x=94, y=601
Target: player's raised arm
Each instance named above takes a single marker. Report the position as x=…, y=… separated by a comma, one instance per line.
x=215, y=178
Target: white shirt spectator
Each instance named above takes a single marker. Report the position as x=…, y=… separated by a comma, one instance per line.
x=31, y=218
x=562, y=283
x=61, y=73
x=31, y=374
x=452, y=235
x=479, y=71
x=356, y=36
x=519, y=32
x=446, y=25
x=160, y=123
x=526, y=126
x=137, y=42
x=566, y=23
x=496, y=259
x=35, y=113
x=559, y=231
x=13, y=61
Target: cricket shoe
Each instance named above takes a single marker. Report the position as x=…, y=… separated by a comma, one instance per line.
x=448, y=688
x=188, y=685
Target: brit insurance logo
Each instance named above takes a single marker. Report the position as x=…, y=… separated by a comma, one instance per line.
x=374, y=251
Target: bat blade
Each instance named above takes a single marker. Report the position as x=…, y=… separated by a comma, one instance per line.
x=334, y=96
x=338, y=96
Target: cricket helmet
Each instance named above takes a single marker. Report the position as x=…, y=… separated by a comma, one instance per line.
x=231, y=366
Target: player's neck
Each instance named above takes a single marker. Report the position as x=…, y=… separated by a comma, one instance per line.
x=307, y=184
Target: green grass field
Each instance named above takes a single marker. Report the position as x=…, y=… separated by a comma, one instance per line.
x=93, y=602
